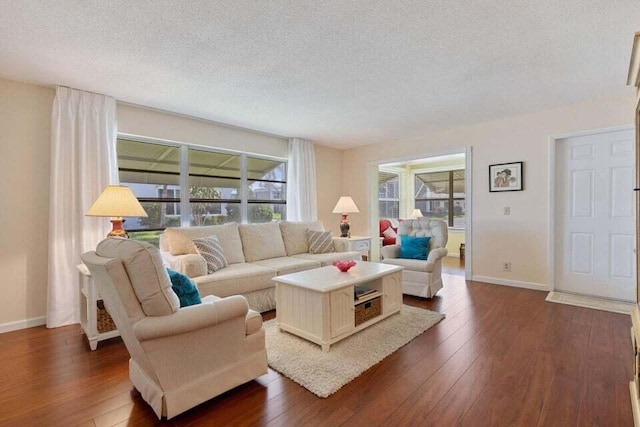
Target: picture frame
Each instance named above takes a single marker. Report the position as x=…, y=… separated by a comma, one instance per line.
x=506, y=177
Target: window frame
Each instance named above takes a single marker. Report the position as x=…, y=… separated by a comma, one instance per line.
x=185, y=202
x=450, y=200
x=398, y=175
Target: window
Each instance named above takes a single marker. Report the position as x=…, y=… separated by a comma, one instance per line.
x=441, y=195
x=266, y=189
x=388, y=195
x=215, y=188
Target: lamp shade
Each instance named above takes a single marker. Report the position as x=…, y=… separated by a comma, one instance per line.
x=417, y=213
x=116, y=201
x=345, y=205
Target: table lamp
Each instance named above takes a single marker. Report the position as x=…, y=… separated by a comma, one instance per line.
x=345, y=206
x=116, y=201
x=417, y=213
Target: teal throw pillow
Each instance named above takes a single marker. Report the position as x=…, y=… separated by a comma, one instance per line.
x=414, y=247
x=184, y=288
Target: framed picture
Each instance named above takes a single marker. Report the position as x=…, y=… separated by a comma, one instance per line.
x=506, y=177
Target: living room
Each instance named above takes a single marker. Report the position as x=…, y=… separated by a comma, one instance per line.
x=366, y=85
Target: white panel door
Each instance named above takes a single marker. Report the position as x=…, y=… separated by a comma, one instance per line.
x=595, y=215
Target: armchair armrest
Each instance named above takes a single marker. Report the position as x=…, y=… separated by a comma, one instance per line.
x=390, y=251
x=436, y=254
x=193, y=265
x=191, y=318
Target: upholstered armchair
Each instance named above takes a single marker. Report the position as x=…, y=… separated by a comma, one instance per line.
x=420, y=278
x=180, y=357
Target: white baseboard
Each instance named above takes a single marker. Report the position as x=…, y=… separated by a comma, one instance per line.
x=22, y=324
x=453, y=255
x=586, y=301
x=512, y=283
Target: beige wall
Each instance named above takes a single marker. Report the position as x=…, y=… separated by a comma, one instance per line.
x=520, y=238
x=328, y=185
x=455, y=238
x=156, y=124
x=25, y=120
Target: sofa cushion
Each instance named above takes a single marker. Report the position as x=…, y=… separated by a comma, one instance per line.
x=411, y=264
x=294, y=235
x=261, y=241
x=286, y=265
x=237, y=279
x=211, y=250
x=327, y=259
x=180, y=240
x=320, y=242
x=147, y=275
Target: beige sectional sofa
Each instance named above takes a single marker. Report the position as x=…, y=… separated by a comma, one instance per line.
x=255, y=252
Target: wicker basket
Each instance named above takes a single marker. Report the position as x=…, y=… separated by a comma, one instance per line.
x=104, y=321
x=368, y=310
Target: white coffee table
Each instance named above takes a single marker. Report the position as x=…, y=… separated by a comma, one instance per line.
x=319, y=304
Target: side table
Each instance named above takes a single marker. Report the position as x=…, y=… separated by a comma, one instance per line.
x=93, y=319
x=356, y=244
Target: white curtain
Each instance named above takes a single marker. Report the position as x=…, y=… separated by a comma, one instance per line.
x=301, y=181
x=83, y=163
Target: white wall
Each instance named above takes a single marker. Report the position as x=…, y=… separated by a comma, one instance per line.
x=25, y=121
x=520, y=238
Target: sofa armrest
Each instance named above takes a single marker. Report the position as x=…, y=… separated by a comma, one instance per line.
x=193, y=265
x=191, y=318
x=390, y=251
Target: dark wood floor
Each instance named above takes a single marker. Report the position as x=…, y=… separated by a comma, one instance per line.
x=503, y=356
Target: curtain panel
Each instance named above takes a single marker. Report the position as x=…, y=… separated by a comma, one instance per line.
x=83, y=163
x=301, y=181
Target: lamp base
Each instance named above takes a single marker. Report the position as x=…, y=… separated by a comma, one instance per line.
x=117, y=230
x=344, y=226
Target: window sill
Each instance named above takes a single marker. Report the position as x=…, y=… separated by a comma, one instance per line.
x=456, y=228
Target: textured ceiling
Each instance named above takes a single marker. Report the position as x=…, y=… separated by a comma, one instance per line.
x=342, y=73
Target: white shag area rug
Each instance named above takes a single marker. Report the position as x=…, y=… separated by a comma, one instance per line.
x=325, y=373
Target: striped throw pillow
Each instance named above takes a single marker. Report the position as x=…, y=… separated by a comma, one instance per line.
x=320, y=242
x=211, y=250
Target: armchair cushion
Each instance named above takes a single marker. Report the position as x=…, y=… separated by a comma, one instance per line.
x=412, y=264
x=184, y=288
x=147, y=275
x=191, y=318
x=414, y=247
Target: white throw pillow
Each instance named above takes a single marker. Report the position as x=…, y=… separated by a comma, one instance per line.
x=320, y=242
x=211, y=250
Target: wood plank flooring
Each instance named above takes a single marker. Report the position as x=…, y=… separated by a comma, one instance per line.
x=502, y=357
